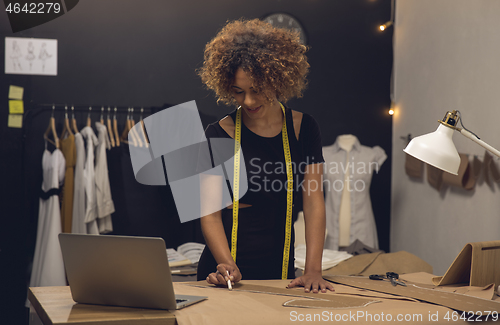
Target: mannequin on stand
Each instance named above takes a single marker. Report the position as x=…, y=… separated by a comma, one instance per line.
x=348, y=170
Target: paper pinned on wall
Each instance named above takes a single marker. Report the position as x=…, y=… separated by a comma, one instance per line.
x=16, y=107
x=30, y=56
x=15, y=121
x=16, y=92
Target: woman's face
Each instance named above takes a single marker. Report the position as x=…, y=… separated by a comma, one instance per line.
x=254, y=104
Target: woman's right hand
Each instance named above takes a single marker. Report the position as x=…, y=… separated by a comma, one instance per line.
x=220, y=277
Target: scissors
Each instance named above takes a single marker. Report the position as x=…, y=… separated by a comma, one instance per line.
x=392, y=276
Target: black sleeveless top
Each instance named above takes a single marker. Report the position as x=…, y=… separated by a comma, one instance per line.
x=261, y=227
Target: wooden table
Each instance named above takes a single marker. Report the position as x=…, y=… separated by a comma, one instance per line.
x=54, y=305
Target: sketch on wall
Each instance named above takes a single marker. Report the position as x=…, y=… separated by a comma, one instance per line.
x=31, y=56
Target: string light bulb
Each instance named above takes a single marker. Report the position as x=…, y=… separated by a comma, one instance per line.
x=386, y=25
x=391, y=110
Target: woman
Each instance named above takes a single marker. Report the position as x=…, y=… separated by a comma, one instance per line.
x=258, y=67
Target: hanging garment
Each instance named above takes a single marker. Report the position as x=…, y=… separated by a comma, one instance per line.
x=363, y=161
x=69, y=151
x=89, y=181
x=78, y=223
x=48, y=268
x=105, y=206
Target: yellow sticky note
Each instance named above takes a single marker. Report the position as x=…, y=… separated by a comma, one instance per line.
x=16, y=92
x=16, y=107
x=15, y=121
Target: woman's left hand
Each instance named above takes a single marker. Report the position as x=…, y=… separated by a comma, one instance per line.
x=311, y=282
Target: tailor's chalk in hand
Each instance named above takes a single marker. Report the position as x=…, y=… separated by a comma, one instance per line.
x=229, y=286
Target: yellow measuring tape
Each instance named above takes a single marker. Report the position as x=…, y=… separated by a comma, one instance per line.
x=289, y=194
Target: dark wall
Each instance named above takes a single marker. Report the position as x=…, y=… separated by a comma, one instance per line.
x=144, y=53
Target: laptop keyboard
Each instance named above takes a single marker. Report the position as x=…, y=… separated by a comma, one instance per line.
x=180, y=300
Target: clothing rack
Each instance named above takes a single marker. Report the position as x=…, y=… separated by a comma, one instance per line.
x=80, y=107
x=91, y=109
x=33, y=110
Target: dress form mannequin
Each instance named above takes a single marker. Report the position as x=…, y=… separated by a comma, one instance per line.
x=348, y=170
x=346, y=142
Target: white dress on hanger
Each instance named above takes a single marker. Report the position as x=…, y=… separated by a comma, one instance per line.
x=89, y=181
x=105, y=206
x=78, y=225
x=48, y=267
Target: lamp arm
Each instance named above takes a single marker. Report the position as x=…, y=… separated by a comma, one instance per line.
x=483, y=144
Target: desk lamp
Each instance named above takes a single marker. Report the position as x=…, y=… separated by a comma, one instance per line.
x=437, y=148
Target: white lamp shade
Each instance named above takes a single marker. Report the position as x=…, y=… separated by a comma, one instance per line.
x=436, y=149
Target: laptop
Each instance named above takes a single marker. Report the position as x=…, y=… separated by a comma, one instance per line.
x=120, y=271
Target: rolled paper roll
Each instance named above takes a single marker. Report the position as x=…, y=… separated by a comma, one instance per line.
x=469, y=180
x=495, y=169
x=465, y=178
x=486, y=167
x=413, y=166
x=434, y=177
x=477, y=165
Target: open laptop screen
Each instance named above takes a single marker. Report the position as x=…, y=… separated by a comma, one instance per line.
x=118, y=270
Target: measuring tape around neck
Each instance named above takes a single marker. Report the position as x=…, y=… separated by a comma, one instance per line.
x=289, y=194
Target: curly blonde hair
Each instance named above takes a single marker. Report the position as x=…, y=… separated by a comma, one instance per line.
x=273, y=57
